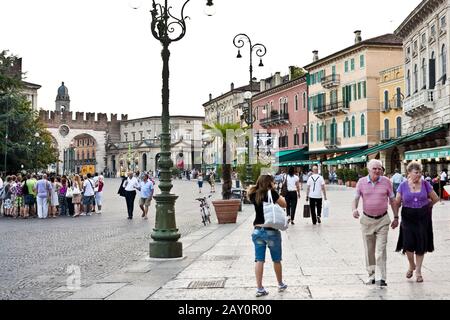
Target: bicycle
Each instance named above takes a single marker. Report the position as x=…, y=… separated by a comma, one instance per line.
x=205, y=211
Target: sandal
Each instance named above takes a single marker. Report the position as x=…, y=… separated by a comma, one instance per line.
x=409, y=274
x=419, y=279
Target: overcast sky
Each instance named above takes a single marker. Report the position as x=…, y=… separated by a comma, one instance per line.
x=104, y=51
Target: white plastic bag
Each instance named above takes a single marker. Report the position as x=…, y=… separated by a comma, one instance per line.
x=274, y=216
x=326, y=209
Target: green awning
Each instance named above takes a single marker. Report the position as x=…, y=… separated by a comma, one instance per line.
x=349, y=149
x=420, y=135
x=296, y=163
x=284, y=152
x=361, y=155
x=441, y=152
x=294, y=155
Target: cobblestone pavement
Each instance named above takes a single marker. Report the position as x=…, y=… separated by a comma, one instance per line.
x=35, y=254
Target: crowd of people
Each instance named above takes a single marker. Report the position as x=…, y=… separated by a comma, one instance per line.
x=49, y=196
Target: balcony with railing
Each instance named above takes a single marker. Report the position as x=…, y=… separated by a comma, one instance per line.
x=332, y=143
x=394, y=104
x=332, y=109
x=275, y=120
x=386, y=135
x=419, y=103
x=331, y=81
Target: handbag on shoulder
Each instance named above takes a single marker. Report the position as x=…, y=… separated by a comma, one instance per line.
x=274, y=216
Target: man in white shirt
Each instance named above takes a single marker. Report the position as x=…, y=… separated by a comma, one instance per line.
x=130, y=185
x=315, y=188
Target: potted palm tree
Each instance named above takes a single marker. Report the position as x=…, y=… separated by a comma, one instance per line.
x=227, y=208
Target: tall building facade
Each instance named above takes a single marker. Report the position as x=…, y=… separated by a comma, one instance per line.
x=426, y=37
x=391, y=95
x=282, y=115
x=344, y=102
x=140, y=144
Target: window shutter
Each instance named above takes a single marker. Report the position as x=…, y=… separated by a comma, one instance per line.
x=364, y=89
x=359, y=90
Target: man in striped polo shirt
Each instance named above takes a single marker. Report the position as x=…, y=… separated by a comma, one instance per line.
x=376, y=191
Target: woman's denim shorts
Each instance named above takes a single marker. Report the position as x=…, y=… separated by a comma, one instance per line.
x=271, y=238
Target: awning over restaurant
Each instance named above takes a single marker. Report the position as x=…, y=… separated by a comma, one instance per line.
x=296, y=163
x=293, y=155
x=362, y=155
x=434, y=153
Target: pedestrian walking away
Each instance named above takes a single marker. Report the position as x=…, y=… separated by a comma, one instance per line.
x=417, y=197
x=130, y=186
x=43, y=190
x=200, y=181
x=266, y=237
x=315, y=188
x=375, y=191
x=293, y=193
x=397, y=179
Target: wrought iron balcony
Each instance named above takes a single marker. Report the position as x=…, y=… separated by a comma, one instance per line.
x=386, y=106
x=332, y=109
x=331, y=81
x=275, y=120
x=419, y=103
x=386, y=135
x=332, y=143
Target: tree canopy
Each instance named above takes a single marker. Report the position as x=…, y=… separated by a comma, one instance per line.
x=24, y=139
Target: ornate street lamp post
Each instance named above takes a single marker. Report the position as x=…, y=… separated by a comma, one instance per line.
x=167, y=29
x=260, y=50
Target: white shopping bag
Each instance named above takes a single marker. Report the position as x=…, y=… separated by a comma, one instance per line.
x=326, y=209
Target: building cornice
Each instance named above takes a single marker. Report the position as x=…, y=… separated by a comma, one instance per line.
x=279, y=88
x=377, y=42
x=417, y=17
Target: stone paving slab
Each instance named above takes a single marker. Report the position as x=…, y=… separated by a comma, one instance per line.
x=133, y=292
x=97, y=291
x=294, y=293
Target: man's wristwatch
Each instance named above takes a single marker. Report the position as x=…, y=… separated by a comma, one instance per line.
x=396, y=218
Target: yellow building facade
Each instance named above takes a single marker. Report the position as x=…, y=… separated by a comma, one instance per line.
x=391, y=95
x=344, y=101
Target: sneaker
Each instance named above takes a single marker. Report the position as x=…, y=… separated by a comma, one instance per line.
x=261, y=292
x=282, y=287
x=88, y=214
x=370, y=280
x=381, y=283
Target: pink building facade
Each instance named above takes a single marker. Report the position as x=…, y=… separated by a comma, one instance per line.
x=282, y=110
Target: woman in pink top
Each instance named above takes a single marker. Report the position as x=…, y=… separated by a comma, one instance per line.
x=416, y=231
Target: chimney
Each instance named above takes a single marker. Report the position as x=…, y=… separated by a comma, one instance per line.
x=315, y=55
x=277, y=79
x=358, y=38
x=210, y=96
x=262, y=85
x=232, y=86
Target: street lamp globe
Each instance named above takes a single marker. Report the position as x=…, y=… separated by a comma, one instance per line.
x=210, y=9
x=248, y=95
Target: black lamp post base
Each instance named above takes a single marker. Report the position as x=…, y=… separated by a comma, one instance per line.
x=166, y=249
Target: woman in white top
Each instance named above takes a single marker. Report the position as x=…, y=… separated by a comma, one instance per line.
x=293, y=193
x=54, y=201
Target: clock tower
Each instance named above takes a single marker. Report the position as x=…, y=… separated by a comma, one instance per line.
x=62, y=102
